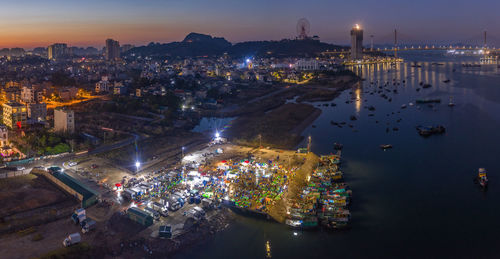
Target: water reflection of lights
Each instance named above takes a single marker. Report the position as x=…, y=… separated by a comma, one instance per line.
x=358, y=100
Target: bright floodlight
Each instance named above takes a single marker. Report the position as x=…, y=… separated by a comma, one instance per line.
x=248, y=60
x=137, y=164
x=217, y=134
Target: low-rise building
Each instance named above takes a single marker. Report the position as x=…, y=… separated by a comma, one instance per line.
x=37, y=111
x=14, y=114
x=30, y=95
x=4, y=136
x=307, y=64
x=64, y=120
x=103, y=85
x=119, y=88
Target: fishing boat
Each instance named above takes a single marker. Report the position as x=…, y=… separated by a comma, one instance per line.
x=429, y=130
x=385, y=146
x=482, y=178
x=426, y=86
x=446, y=81
x=403, y=106
x=428, y=101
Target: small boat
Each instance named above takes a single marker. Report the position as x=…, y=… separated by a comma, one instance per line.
x=385, y=146
x=428, y=101
x=447, y=81
x=427, y=86
x=427, y=131
x=403, y=106
x=482, y=178
x=268, y=249
x=451, y=104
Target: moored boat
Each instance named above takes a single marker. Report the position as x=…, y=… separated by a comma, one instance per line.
x=385, y=146
x=428, y=100
x=482, y=178
x=451, y=103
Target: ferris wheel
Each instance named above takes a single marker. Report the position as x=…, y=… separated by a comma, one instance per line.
x=303, y=27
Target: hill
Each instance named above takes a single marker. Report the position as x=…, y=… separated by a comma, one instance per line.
x=197, y=45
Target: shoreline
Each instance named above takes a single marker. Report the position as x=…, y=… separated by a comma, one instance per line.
x=275, y=123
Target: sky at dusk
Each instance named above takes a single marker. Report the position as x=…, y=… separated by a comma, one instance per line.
x=32, y=23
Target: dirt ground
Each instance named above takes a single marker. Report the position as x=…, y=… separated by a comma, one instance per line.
x=52, y=236
x=23, y=193
x=105, y=172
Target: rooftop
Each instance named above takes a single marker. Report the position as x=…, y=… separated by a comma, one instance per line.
x=76, y=185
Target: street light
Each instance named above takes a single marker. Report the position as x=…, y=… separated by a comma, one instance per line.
x=217, y=135
x=182, y=152
x=137, y=165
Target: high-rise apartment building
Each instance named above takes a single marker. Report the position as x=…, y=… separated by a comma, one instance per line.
x=57, y=50
x=356, y=42
x=112, y=49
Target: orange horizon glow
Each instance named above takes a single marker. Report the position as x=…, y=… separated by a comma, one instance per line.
x=84, y=35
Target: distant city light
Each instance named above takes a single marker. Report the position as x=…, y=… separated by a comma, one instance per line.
x=137, y=164
x=248, y=60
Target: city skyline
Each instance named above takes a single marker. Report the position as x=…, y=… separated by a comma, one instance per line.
x=90, y=23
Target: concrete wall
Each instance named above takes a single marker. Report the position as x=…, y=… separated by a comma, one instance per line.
x=13, y=174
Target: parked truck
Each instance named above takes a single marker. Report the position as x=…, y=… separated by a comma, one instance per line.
x=88, y=225
x=153, y=213
x=79, y=215
x=162, y=209
x=72, y=239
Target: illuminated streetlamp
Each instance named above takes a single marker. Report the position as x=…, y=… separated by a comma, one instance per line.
x=137, y=165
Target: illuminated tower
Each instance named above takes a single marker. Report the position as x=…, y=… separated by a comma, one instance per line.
x=356, y=42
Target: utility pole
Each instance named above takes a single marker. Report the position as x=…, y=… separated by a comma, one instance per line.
x=309, y=144
x=395, y=43
x=485, y=46
x=371, y=43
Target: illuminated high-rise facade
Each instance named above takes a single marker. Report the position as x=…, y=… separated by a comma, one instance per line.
x=356, y=43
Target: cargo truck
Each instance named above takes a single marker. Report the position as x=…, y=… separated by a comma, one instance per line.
x=72, y=239
x=88, y=226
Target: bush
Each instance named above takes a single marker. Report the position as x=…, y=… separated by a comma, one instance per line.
x=37, y=237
